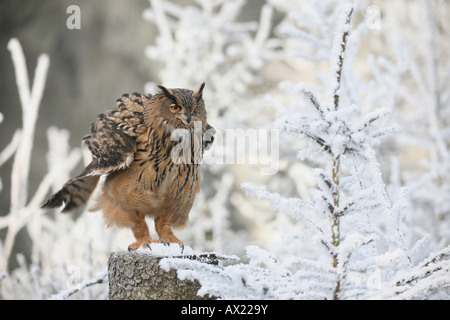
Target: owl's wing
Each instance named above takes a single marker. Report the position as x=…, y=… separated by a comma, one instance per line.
x=112, y=141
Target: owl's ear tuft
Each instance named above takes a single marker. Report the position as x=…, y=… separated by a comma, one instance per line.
x=168, y=93
x=199, y=92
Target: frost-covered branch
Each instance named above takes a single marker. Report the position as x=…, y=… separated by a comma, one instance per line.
x=207, y=43
x=431, y=274
x=418, y=69
x=30, y=98
x=262, y=278
x=65, y=294
x=39, y=273
x=298, y=208
x=11, y=148
x=338, y=52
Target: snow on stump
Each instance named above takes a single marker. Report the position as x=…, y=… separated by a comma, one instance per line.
x=138, y=275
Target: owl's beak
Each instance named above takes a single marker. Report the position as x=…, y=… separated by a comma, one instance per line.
x=186, y=118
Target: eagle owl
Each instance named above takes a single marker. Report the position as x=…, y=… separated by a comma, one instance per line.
x=137, y=147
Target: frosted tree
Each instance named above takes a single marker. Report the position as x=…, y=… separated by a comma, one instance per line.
x=351, y=189
x=22, y=143
x=352, y=229
x=52, y=266
x=350, y=186
x=416, y=73
x=206, y=42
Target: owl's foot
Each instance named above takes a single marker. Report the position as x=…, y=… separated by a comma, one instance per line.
x=165, y=233
x=142, y=235
x=143, y=244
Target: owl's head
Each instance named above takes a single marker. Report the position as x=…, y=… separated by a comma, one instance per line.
x=180, y=107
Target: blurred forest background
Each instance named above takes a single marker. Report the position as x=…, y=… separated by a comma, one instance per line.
x=243, y=50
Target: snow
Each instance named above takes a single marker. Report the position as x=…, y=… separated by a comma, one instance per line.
x=162, y=250
x=239, y=281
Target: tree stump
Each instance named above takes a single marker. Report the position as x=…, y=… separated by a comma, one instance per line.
x=134, y=276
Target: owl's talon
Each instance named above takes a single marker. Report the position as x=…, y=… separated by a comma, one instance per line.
x=133, y=247
x=141, y=244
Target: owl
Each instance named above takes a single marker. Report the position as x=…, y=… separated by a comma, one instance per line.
x=149, y=149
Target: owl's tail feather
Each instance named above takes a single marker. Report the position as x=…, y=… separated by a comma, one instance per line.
x=73, y=194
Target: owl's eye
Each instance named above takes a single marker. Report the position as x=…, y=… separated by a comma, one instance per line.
x=195, y=109
x=175, y=107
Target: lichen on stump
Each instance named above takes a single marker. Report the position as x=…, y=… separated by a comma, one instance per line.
x=135, y=276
